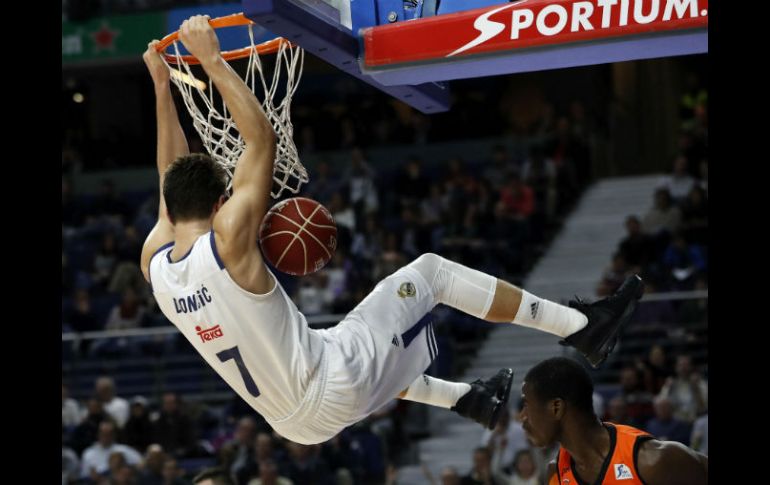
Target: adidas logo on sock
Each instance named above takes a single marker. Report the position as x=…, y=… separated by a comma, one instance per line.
x=533, y=309
x=395, y=340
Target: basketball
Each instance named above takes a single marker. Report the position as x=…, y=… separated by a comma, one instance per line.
x=298, y=236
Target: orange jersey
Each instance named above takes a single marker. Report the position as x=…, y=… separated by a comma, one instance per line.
x=619, y=467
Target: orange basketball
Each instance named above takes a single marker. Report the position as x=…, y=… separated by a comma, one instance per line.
x=298, y=236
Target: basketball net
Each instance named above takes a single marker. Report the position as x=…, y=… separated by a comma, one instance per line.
x=217, y=129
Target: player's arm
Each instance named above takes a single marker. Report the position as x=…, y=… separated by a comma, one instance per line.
x=172, y=144
x=666, y=462
x=237, y=223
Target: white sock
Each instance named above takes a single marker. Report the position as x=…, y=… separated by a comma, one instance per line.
x=548, y=316
x=437, y=392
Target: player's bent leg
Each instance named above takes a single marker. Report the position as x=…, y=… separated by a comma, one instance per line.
x=481, y=401
x=592, y=329
x=494, y=300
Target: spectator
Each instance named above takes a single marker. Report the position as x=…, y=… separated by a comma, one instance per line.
x=152, y=473
x=482, y=472
x=687, y=391
x=138, y=431
x=172, y=474
x=125, y=475
x=306, y=466
x=638, y=400
x=263, y=450
x=70, y=409
x=70, y=465
x=617, y=411
x=540, y=174
x=505, y=441
x=115, y=406
x=360, y=180
x=268, y=474
x=664, y=426
x=129, y=313
x=684, y=261
x=88, y=430
x=96, y=457
x=114, y=474
x=411, y=183
x=174, y=430
x=82, y=317
x=345, y=458
x=105, y=260
x=680, y=182
x=614, y=275
x=496, y=168
x=517, y=199
x=637, y=248
x=243, y=445
x=524, y=470
x=663, y=219
x=324, y=184
x=655, y=369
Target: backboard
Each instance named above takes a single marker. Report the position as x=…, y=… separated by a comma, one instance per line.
x=410, y=48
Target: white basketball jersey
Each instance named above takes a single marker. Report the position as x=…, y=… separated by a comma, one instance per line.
x=259, y=344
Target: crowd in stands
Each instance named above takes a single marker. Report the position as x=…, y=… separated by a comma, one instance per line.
x=663, y=384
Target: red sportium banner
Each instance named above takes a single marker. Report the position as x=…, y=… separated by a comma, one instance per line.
x=525, y=24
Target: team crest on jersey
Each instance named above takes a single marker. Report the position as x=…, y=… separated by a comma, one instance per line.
x=208, y=334
x=622, y=472
x=406, y=289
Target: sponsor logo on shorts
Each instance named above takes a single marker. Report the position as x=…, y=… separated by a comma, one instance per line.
x=208, y=334
x=395, y=340
x=622, y=472
x=407, y=289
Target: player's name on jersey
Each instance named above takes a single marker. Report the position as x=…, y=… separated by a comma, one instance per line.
x=192, y=302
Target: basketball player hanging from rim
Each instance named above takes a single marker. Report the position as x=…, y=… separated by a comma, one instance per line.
x=310, y=384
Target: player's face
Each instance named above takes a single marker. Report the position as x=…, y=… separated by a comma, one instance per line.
x=538, y=422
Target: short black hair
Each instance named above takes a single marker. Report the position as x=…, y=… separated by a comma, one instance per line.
x=192, y=185
x=565, y=379
x=216, y=474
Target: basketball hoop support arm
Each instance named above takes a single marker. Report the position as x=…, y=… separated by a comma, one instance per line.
x=340, y=46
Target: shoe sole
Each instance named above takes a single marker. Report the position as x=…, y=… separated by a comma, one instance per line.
x=502, y=395
x=597, y=358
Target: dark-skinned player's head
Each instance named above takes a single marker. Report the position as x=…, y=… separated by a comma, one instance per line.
x=193, y=188
x=554, y=391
